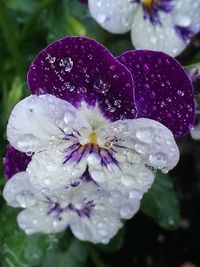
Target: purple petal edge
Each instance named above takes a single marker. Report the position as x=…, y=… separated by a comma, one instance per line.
x=163, y=89
x=14, y=162
x=80, y=69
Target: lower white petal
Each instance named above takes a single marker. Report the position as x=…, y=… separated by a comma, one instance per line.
x=100, y=227
x=37, y=220
x=115, y=16
x=48, y=170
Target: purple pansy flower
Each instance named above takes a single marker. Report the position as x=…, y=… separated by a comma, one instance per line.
x=165, y=25
x=97, y=128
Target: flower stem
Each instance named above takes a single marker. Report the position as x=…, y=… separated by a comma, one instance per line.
x=95, y=257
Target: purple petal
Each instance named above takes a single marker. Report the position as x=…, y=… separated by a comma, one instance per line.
x=163, y=90
x=79, y=69
x=14, y=161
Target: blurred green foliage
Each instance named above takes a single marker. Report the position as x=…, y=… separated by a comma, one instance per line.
x=25, y=28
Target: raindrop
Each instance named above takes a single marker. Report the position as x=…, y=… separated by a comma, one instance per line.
x=28, y=142
x=25, y=198
x=158, y=160
x=101, y=18
x=127, y=180
x=118, y=103
x=145, y=135
x=126, y=211
x=69, y=116
x=146, y=68
x=67, y=63
x=101, y=87
x=74, y=182
x=181, y=93
x=50, y=59
x=135, y=194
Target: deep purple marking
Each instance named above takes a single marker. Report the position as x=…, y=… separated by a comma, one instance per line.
x=185, y=33
x=152, y=13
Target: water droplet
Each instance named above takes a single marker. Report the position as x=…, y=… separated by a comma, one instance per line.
x=158, y=160
x=28, y=142
x=135, y=194
x=50, y=59
x=127, y=211
x=69, y=116
x=181, y=93
x=74, y=182
x=141, y=148
x=101, y=87
x=145, y=135
x=127, y=180
x=146, y=68
x=117, y=103
x=67, y=63
x=26, y=199
x=101, y=18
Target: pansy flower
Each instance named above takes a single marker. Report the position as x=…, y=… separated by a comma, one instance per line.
x=95, y=130
x=165, y=25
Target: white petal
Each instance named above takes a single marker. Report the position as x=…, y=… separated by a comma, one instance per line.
x=101, y=226
x=115, y=16
x=37, y=220
x=36, y=120
x=162, y=37
x=46, y=169
x=186, y=13
x=18, y=191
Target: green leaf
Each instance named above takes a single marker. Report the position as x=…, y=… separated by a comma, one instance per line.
x=75, y=256
x=19, y=249
x=161, y=203
x=13, y=96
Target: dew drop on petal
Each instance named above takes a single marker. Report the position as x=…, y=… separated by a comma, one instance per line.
x=158, y=160
x=25, y=199
x=28, y=142
x=126, y=211
x=67, y=64
x=101, y=87
x=135, y=194
x=127, y=180
x=74, y=182
x=69, y=116
x=145, y=135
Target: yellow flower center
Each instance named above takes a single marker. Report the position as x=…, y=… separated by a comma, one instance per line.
x=148, y=3
x=92, y=138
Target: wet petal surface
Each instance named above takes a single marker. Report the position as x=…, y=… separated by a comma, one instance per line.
x=163, y=89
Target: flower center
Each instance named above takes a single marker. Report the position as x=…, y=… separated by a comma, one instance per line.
x=149, y=3
x=93, y=138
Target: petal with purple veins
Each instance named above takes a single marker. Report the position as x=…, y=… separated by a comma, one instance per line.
x=79, y=69
x=163, y=90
